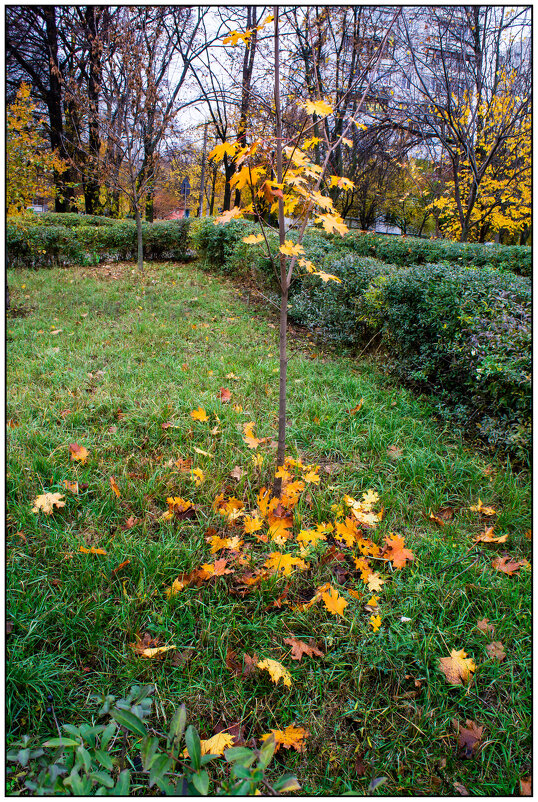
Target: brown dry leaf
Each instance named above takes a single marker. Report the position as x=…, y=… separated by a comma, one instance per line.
x=461, y=789
x=484, y=626
x=183, y=464
x=299, y=647
x=114, y=487
x=437, y=519
x=290, y=738
x=507, y=565
x=469, y=737
x=71, y=486
x=65, y=412
x=129, y=523
x=457, y=668
x=237, y=472
x=224, y=395
x=525, y=786
x=47, y=501
x=181, y=658
x=495, y=650
x=167, y=425
x=238, y=668
x=78, y=453
x=393, y=452
x=487, y=537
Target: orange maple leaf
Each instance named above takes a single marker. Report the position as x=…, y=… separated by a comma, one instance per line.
x=78, y=453
x=487, y=537
x=91, y=550
x=346, y=532
x=290, y=738
x=507, y=565
x=395, y=551
x=299, y=647
x=218, y=568
x=334, y=603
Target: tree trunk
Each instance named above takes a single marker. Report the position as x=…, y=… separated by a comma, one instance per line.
x=284, y=284
x=92, y=188
x=213, y=183
x=140, y=246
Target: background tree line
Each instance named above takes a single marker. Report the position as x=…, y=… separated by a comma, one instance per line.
x=131, y=100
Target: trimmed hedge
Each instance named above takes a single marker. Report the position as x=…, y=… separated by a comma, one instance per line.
x=32, y=245
x=461, y=332
x=414, y=251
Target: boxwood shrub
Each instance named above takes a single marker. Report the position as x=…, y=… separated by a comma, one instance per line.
x=415, y=251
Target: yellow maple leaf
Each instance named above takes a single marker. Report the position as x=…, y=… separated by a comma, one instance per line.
x=197, y=476
x=47, y=501
x=334, y=603
x=375, y=621
x=252, y=524
x=309, y=143
x=346, y=532
x=225, y=217
x=290, y=738
x=232, y=509
x=310, y=536
x=215, y=745
x=291, y=249
x=457, y=668
x=91, y=550
x=284, y=564
x=199, y=414
x=319, y=107
x=374, y=582
x=276, y=670
x=332, y=222
x=279, y=530
x=311, y=476
x=226, y=148
x=250, y=440
x=235, y=36
x=253, y=239
x=369, y=499
x=483, y=509
x=156, y=651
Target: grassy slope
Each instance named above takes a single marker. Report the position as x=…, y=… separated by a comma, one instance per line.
x=157, y=348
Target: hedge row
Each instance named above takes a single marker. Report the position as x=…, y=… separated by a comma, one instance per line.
x=32, y=245
x=461, y=332
x=406, y=251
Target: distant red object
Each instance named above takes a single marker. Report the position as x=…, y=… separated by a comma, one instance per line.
x=178, y=214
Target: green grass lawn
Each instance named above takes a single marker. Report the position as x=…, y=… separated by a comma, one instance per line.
x=103, y=358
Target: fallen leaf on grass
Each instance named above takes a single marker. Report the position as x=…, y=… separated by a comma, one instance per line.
x=487, y=537
x=237, y=472
x=114, y=487
x=334, y=603
x=457, y=668
x=215, y=745
x=156, y=651
x=374, y=582
x=91, y=550
x=507, y=565
x=218, y=568
x=393, y=452
x=484, y=626
x=396, y=552
x=290, y=738
x=183, y=464
x=199, y=414
x=121, y=566
x=284, y=564
x=224, y=395
x=357, y=408
x=276, y=671
x=167, y=425
x=178, y=508
x=238, y=668
x=469, y=737
x=78, y=453
x=299, y=647
x=250, y=440
x=375, y=621
x=461, y=789
x=481, y=508
x=525, y=786
x=495, y=650
x=71, y=486
x=197, y=476
x=47, y=501
x=203, y=453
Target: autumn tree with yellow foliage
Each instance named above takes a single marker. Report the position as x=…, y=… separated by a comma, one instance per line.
x=281, y=171
x=30, y=165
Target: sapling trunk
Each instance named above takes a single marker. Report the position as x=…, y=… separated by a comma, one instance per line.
x=140, y=246
x=284, y=283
